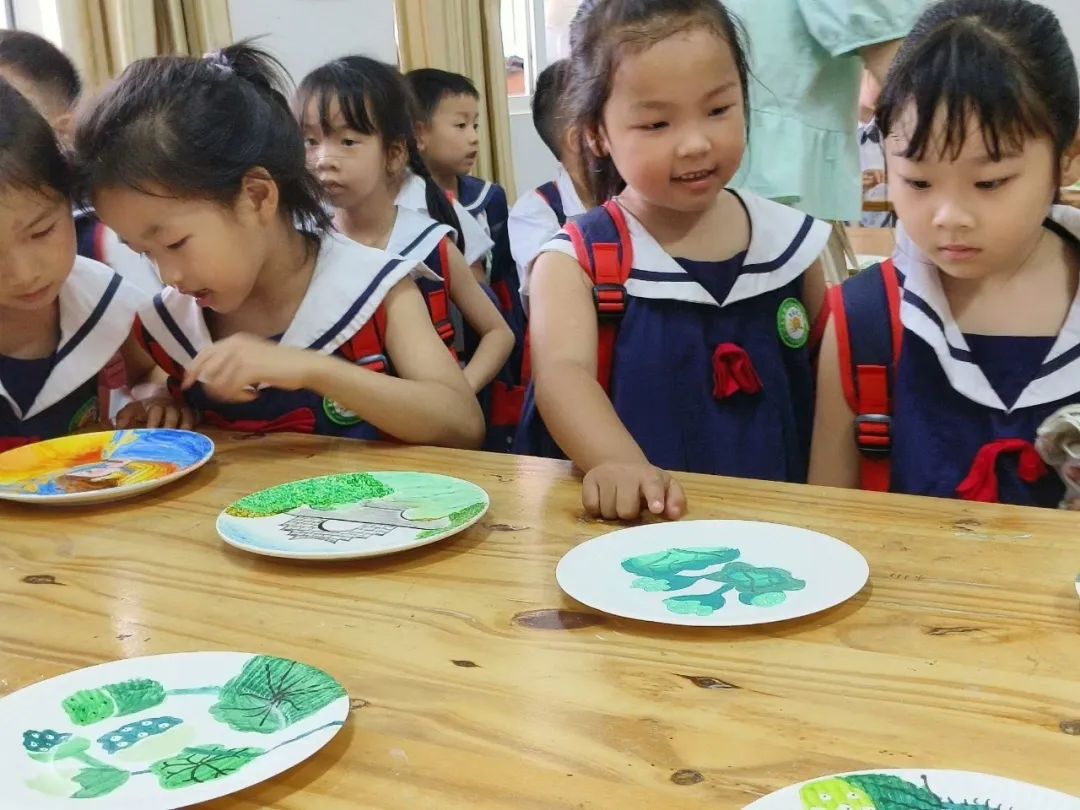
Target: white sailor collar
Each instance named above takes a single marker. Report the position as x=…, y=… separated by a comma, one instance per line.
x=925, y=311
x=571, y=202
x=349, y=283
x=783, y=244
x=475, y=205
x=97, y=309
x=415, y=235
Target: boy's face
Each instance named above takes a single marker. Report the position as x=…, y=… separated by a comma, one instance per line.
x=451, y=139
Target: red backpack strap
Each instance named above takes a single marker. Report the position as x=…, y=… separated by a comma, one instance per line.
x=869, y=351
x=367, y=347
x=438, y=299
x=608, y=265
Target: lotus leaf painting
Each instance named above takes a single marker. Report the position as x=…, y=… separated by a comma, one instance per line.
x=678, y=569
x=126, y=738
x=915, y=790
x=353, y=514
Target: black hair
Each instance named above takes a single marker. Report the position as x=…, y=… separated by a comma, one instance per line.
x=431, y=85
x=549, y=97
x=375, y=99
x=41, y=62
x=602, y=30
x=30, y=154
x=1005, y=62
x=195, y=127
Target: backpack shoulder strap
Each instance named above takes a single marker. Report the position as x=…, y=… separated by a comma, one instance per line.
x=605, y=251
x=438, y=296
x=866, y=311
x=549, y=193
x=367, y=347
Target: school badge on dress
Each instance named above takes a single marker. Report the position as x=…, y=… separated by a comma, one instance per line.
x=339, y=415
x=793, y=323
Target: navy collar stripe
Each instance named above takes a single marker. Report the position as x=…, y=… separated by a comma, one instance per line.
x=962, y=355
x=785, y=257
x=654, y=275
x=1059, y=362
x=423, y=235
x=563, y=236
x=357, y=305
x=92, y=321
x=173, y=327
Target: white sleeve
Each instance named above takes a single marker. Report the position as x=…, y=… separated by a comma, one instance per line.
x=559, y=243
x=531, y=225
x=477, y=243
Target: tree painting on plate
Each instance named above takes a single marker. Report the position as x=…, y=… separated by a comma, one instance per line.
x=679, y=569
x=267, y=696
x=880, y=791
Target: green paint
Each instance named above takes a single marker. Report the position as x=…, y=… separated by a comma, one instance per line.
x=832, y=794
x=674, y=570
x=202, y=763
x=327, y=492
x=268, y=695
x=424, y=497
x=459, y=518
x=114, y=700
x=271, y=694
x=880, y=791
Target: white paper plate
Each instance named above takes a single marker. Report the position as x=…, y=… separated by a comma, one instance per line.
x=340, y=517
x=887, y=790
x=163, y=731
x=712, y=573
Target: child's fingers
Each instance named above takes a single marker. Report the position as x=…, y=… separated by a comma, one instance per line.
x=187, y=418
x=652, y=492
x=676, y=500
x=154, y=415
x=171, y=417
x=628, y=500
x=127, y=416
x=590, y=496
x=608, y=495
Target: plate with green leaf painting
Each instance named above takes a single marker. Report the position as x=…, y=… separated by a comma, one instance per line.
x=915, y=790
x=712, y=573
x=338, y=517
x=164, y=731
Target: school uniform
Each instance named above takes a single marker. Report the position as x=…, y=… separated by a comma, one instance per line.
x=478, y=244
x=967, y=407
x=341, y=315
x=425, y=242
x=96, y=241
x=537, y=217
x=44, y=398
x=711, y=366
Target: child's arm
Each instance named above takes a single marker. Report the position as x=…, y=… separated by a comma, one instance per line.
x=496, y=338
x=814, y=289
x=834, y=457
x=151, y=404
x=575, y=408
x=429, y=402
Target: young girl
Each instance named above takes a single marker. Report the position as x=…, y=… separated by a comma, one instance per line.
x=712, y=293
x=64, y=319
x=948, y=358
x=359, y=134
x=268, y=322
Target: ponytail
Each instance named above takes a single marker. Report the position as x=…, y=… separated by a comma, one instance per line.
x=438, y=204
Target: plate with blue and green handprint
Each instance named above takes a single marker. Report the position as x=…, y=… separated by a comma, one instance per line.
x=712, y=573
x=164, y=731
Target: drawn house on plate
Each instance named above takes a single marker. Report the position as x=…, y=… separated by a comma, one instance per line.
x=355, y=523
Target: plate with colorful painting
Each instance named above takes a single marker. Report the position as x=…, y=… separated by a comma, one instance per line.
x=907, y=789
x=163, y=731
x=351, y=515
x=98, y=467
x=712, y=573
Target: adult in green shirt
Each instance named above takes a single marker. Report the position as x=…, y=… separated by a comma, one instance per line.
x=807, y=58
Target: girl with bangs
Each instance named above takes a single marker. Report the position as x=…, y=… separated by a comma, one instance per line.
x=950, y=356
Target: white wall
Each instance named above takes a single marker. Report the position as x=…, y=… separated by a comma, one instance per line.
x=1068, y=11
x=534, y=164
x=304, y=34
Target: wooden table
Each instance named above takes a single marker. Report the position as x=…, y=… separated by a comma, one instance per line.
x=476, y=683
x=872, y=241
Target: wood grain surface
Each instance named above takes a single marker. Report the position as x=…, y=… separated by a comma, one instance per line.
x=476, y=683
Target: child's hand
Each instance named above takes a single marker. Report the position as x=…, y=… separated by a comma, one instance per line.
x=233, y=368
x=156, y=412
x=617, y=490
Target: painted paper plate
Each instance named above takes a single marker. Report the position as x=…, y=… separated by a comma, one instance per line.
x=712, y=573
x=163, y=731
x=901, y=790
x=97, y=467
x=352, y=515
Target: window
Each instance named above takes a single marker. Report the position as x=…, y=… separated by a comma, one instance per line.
x=7, y=19
x=535, y=34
